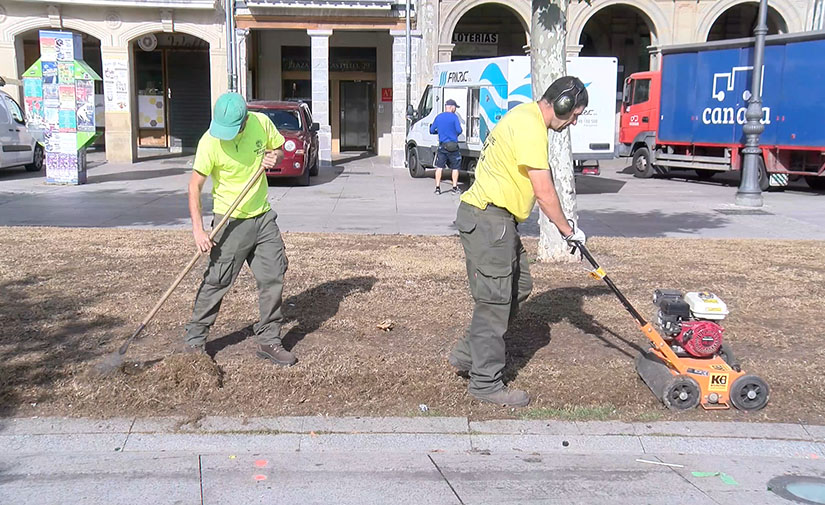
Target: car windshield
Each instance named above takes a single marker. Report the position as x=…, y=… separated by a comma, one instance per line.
x=284, y=119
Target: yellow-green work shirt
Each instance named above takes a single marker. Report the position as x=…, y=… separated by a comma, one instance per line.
x=231, y=163
x=518, y=142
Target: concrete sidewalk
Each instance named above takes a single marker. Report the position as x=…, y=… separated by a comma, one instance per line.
x=399, y=460
x=362, y=194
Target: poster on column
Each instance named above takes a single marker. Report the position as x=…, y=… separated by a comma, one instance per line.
x=116, y=84
x=64, y=46
x=49, y=72
x=48, y=51
x=65, y=72
x=85, y=100
x=67, y=97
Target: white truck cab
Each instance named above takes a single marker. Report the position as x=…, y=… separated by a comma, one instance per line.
x=485, y=89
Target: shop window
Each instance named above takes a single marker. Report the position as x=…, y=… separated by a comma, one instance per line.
x=297, y=90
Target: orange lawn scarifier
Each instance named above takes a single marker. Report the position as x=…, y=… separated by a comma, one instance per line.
x=691, y=366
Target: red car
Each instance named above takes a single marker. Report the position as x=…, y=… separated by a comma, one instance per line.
x=294, y=121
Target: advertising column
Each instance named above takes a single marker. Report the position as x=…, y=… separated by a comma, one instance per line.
x=60, y=105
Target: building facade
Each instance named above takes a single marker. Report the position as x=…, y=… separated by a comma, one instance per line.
x=164, y=62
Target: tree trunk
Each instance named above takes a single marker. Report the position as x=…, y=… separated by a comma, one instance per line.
x=548, y=50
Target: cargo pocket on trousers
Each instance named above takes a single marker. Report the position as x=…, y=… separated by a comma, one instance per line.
x=493, y=284
x=220, y=273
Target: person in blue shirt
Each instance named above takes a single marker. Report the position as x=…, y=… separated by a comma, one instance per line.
x=448, y=128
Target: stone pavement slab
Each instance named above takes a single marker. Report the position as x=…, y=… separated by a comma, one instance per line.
x=64, y=443
x=384, y=442
x=732, y=447
x=213, y=442
x=269, y=478
x=100, y=479
x=557, y=443
x=559, y=479
x=782, y=431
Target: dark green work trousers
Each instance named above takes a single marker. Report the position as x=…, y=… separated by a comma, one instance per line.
x=256, y=241
x=499, y=276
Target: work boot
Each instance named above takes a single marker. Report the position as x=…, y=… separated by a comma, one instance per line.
x=276, y=354
x=462, y=369
x=505, y=397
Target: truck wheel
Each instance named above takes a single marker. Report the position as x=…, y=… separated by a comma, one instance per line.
x=416, y=170
x=470, y=167
x=642, y=167
x=764, y=178
x=815, y=182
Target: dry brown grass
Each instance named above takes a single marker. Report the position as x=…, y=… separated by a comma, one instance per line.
x=70, y=296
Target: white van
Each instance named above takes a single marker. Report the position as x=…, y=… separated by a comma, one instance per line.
x=485, y=89
x=17, y=146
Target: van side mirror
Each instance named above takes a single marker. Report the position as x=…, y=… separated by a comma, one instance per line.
x=314, y=127
x=410, y=110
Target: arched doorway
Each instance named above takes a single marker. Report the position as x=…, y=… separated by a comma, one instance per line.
x=623, y=32
x=489, y=30
x=740, y=20
x=172, y=92
x=28, y=52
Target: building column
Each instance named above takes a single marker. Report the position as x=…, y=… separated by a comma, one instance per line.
x=320, y=93
x=242, y=36
x=445, y=52
x=655, y=57
x=118, y=99
x=574, y=51
x=398, y=154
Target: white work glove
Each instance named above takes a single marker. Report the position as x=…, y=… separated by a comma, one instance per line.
x=577, y=237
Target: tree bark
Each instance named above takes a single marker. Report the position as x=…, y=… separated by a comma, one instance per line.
x=548, y=34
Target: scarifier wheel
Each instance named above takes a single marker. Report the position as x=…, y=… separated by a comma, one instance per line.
x=682, y=393
x=749, y=392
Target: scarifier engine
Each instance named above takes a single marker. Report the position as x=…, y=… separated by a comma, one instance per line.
x=689, y=322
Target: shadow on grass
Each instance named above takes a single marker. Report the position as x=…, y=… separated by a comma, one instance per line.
x=309, y=309
x=42, y=339
x=530, y=330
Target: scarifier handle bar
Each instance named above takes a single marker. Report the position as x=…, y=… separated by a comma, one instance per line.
x=599, y=273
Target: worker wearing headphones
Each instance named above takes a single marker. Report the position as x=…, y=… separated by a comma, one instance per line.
x=512, y=173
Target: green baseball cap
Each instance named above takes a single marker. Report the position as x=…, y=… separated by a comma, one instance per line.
x=230, y=112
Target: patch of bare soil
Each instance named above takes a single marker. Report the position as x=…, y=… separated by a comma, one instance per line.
x=372, y=318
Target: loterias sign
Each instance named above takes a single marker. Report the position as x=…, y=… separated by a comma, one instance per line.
x=475, y=38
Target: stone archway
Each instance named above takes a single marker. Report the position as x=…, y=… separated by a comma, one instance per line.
x=27, y=52
x=521, y=8
x=489, y=30
x=740, y=20
x=622, y=31
x=654, y=17
x=783, y=10
x=171, y=83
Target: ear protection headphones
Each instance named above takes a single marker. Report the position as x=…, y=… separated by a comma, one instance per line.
x=566, y=101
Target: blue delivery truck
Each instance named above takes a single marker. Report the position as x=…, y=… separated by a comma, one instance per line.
x=689, y=114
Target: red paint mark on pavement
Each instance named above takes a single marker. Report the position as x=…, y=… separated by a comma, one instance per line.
x=261, y=463
x=259, y=477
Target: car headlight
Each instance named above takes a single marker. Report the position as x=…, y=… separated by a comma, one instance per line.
x=289, y=146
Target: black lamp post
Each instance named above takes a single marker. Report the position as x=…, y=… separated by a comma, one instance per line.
x=749, y=194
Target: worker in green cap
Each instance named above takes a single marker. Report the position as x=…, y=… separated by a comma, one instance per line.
x=237, y=144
